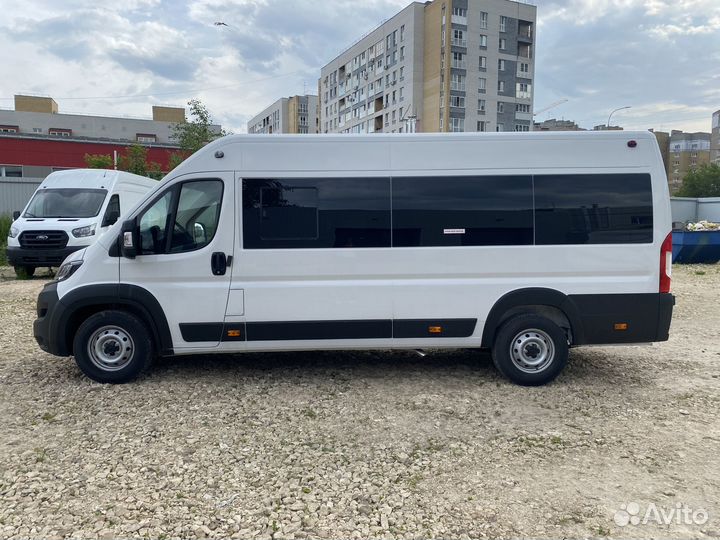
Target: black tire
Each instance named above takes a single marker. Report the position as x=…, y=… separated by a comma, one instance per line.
x=113, y=347
x=24, y=272
x=522, y=336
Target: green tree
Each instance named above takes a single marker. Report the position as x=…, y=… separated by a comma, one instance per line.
x=98, y=161
x=704, y=181
x=192, y=135
x=135, y=160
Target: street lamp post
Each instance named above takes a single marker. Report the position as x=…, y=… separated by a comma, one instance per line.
x=616, y=110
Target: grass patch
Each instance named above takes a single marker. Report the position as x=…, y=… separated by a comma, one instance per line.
x=5, y=222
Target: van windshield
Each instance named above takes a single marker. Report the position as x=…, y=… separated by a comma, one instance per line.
x=66, y=203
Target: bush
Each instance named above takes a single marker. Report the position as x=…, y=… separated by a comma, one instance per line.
x=5, y=222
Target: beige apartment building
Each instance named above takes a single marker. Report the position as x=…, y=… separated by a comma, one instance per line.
x=687, y=151
x=295, y=114
x=444, y=65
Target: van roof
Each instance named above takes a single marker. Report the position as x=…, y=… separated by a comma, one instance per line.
x=343, y=153
x=90, y=178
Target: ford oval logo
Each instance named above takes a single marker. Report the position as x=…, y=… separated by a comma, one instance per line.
x=42, y=236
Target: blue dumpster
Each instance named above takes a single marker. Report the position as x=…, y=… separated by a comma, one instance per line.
x=693, y=247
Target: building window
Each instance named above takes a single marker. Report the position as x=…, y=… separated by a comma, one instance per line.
x=483, y=21
x=457, y=82
x=146, y=137
x=482, y=84
x=457, y=124
x=37, y=130
x=402, y=53
x=503, y=44
x=503, y=24
x=11, y=171
x=482, y=125
x=500, y=127
x=524, y=67
x=402, y=73
x=522, y=127
x=9, y=129
x=457, y=101
x=481, y=107
x=501, y=65
x=483, y=41
x=501, y=107
x=60, y=132
x=458, y=61
x=501, y=87
x=483, y=62
x=402, y=33
x=522, y=108
x=523, y=90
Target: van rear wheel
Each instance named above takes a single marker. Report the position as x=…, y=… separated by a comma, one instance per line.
x=530, y=350
x=112, y=347
x=24, y=272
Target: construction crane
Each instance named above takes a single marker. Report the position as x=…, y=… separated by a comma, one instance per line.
x=551, y=106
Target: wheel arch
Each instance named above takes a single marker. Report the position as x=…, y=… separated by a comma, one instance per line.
x=81, y=303
x=550, y=303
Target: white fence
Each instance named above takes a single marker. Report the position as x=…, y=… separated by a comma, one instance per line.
x=686, y=209
x=16, y=192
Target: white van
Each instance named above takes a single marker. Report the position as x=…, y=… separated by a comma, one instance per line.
x=523, y=243
x=68, y=212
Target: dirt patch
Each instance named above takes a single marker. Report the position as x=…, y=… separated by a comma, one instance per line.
x=369, y=444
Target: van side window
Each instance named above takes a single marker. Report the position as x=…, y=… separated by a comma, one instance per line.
x=198, y=212
x=593, y=209
x=112, y=212
x=462, y=211
x=154, y=226
x=297, y=213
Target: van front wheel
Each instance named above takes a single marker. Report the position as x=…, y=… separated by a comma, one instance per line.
x=530, y=350
x=112, y=347
x=24, y=272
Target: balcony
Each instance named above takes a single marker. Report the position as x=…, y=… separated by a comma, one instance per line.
x=458, y=19
x=458, y=42
x=459, y=64
x=523, y=116
x=460, y=86
x=525, y=32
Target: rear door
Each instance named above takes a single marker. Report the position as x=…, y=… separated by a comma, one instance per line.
x=186, y=234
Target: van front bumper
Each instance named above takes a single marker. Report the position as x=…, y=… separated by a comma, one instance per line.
x=19, y=256
x=45, y=332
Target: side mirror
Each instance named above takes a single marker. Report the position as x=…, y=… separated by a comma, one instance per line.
x=110, y=218
x=16, y=214
x=199, y=233
x=129, y=238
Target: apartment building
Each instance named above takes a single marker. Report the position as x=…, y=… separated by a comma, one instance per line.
x=687, y=151
x=295, y=114
x=553, y=124
x=715, y=138
x=445, y=65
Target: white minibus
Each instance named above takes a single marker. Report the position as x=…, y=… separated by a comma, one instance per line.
x=526, y=244
x=69, y=211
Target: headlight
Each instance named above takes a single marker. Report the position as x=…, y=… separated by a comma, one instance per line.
x=13, y=232
x=88, y=230
x=67, y=270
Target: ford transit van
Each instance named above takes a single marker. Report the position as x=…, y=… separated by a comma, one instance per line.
x=526, y=244
x=68, y=212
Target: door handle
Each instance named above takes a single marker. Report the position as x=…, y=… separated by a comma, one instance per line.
x=218, y=263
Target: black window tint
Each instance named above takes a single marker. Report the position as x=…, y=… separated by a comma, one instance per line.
x=462, y=211
x=316, y=213
x=593, y=209
x=112, y=212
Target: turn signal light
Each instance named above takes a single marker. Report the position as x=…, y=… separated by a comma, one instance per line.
x=621, y=326
x=233, y=333
x=435, y=329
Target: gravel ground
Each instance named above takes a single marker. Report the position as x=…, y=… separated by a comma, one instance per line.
x=376, y=444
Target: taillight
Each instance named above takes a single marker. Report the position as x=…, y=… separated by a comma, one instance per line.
x=666, y=264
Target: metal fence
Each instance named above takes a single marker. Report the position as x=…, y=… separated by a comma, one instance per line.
x=16, y=192
x=686, y=209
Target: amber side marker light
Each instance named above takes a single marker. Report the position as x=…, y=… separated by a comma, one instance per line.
x=233, y=333
x=621, y=326
x=435, y=329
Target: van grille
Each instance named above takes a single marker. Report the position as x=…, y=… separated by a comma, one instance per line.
x=43, y=239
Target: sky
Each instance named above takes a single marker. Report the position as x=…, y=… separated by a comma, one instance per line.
x=660, y=57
